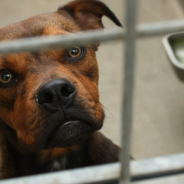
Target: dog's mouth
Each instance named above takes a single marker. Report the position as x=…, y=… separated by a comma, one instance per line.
x=62, y=128
x=69, y=134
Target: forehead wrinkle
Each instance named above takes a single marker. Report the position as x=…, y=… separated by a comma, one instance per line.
x=45, y=58
x=54, y=30
x=4, y=62
x=14, y=62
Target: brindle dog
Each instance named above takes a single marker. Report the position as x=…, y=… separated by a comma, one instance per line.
x=49, y=101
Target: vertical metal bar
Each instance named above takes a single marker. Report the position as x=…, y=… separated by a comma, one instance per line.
x=130, y=39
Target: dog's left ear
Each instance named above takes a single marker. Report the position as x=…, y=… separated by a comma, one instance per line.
x=88, y=13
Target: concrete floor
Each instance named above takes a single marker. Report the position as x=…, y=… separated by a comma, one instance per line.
x=158, y=127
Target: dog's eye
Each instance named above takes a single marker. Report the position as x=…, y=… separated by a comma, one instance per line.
x=5, y=77
x=75, y=52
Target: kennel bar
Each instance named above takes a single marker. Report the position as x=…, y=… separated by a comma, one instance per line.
x=140, y=170
x=129, y=71
x=149, y=168
x=88, y=37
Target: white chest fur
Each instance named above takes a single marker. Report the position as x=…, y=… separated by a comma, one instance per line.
x=59, y=164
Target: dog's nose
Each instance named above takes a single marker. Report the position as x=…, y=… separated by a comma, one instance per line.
x=56, y=94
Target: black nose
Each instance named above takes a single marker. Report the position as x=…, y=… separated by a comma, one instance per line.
x=56, y=94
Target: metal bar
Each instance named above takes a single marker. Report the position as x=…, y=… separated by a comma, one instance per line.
x=176, y=179
x=129, y=70
x=150, y=168
x=58, y=41
x=158, y=28
x=139, y=169
x=52, y=42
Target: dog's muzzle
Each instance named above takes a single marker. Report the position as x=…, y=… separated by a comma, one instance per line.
x=67, y=124
x=56, y=94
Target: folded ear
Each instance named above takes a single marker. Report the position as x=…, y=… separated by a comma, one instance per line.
x=88, y=13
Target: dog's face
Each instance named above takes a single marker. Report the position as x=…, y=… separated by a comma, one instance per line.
x=50, y=98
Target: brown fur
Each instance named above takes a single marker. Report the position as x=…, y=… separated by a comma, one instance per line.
x=26, y=126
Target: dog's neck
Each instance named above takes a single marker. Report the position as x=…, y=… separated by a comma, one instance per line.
x=10, y=136
x=13, y=156
x=27, y=162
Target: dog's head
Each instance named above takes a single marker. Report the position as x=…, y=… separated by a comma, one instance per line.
x=50, y=98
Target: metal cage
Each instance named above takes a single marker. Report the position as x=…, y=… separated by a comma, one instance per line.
x=125, y=171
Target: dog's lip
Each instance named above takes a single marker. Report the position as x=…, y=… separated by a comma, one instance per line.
x=69, y=134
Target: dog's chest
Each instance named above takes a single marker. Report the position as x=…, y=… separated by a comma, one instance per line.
x=58, y=164
x=69, y=161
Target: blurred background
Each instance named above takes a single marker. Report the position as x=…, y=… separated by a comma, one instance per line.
x=158, y=125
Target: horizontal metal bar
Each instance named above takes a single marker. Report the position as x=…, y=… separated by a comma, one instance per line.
x=139, y=169
x=176, y=179
x=58, y=41
x=52, y=42
x=154, y=167
x=158, y=28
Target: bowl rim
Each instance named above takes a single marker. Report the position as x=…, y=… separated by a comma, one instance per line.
x=169, y=49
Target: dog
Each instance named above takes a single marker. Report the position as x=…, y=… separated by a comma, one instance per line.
x=50, y=112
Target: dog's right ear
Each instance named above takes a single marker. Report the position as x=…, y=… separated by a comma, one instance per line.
x=88, y=13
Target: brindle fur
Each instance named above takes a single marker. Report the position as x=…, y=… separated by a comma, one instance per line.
x=24, y=125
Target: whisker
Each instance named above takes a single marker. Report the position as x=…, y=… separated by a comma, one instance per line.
x=108, y=111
